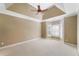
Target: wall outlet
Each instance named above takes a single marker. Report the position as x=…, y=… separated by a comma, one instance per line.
x=2, y=43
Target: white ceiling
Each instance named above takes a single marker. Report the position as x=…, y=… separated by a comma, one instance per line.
x=42, y=5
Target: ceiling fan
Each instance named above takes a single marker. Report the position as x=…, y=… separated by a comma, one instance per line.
x=39, y=10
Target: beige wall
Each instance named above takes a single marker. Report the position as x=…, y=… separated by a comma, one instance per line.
x=17, y=29
x=52, y=12
x=70, y=29
x=43, y=30
x=23, y=8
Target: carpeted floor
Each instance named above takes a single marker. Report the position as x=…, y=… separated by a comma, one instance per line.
x=41, y=47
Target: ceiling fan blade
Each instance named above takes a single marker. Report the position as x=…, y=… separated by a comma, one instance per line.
x=47, y=9
x=44, y=10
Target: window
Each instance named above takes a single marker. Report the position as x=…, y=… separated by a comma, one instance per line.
x=54, y=30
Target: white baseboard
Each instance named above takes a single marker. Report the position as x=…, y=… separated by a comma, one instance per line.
x=19, y=43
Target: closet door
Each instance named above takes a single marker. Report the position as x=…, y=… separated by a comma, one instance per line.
x=70, y=29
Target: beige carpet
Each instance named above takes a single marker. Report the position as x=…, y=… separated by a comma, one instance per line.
x=40, y=47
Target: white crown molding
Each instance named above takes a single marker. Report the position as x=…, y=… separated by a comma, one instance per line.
x=11, y=13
